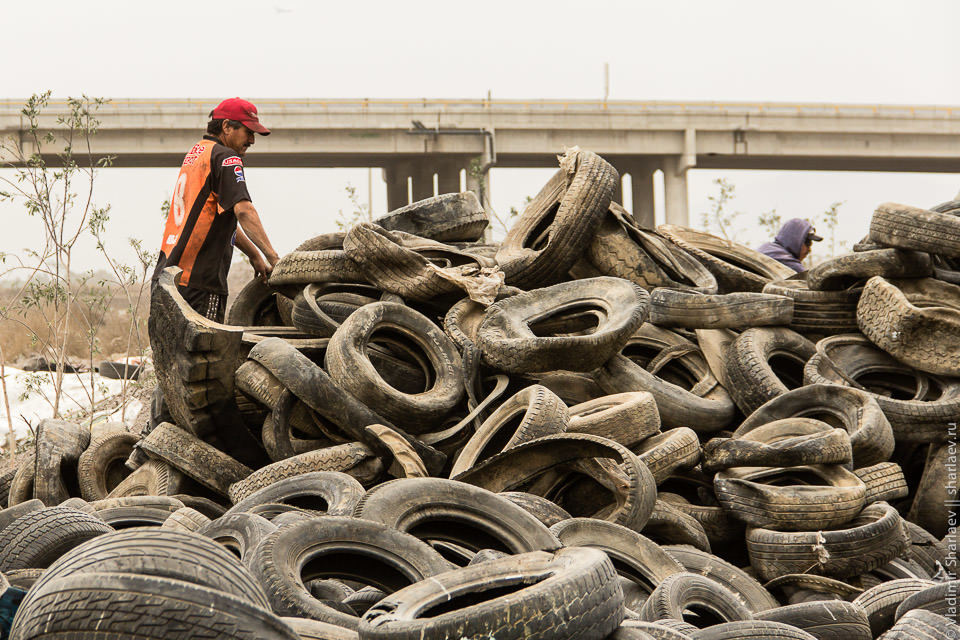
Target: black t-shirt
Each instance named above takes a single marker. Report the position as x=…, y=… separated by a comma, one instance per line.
x=201, y=226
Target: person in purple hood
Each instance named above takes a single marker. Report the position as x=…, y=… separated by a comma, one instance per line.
x=792, y=243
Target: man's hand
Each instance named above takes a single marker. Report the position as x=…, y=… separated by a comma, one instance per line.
x=261, y=267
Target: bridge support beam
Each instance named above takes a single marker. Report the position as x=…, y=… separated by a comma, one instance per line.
x=422, y=177
x=448, y=178
x=641, y=178
x=675, y=191
x=398, y=193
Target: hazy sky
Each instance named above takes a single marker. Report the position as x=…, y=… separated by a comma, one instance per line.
x=817, y=51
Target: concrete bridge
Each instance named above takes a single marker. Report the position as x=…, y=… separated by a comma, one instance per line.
x=414, y=141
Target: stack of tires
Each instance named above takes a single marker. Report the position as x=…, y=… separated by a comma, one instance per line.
x=589, y=430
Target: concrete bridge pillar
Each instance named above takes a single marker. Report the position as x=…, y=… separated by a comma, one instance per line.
x=422, y=179
x=448, y=177
x=641, y=177
x=675, y=191
x=398, y=194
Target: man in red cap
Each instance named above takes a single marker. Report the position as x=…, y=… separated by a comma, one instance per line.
x=209, y=200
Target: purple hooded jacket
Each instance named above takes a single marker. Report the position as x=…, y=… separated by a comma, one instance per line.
x=786, y=246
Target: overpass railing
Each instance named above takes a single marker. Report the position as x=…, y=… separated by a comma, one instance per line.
x=362, y=105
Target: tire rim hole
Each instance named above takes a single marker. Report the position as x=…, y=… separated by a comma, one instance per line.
x=466, y=532
x=577, y=320
x=677, y=372
x=702, y=616
x=115, y=473
x=539, y=237
x=415, y=375
x=473, y=598
x=788, y=367
x=501, y=436
x=230, y=545
x=355, y=565
x=581, y=496
x=790, y=477
x=309, y=502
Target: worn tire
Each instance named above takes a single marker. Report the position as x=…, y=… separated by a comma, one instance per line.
x=329, y=492
x=871, y=436
x=140, y=608
x=824, y=620
x=352, y=369
x=764, y=363
x=781, y=498
x=36, y=539
x=439, y=509
x=349, y=548
x=507, y=339
x=673, y=308
x=556, y=227
x=194, y=457
x=448, y=217
x=914, y=415
x=572, y=593
x=101, y=466
x=906, y=227
x=919, y=326
x=627, y=418
x=870, y=541
x=531, y=413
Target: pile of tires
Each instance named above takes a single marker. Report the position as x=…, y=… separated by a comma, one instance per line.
x=636, y=433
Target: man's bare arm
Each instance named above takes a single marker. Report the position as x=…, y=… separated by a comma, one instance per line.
x=251, y=230
x=261, y=268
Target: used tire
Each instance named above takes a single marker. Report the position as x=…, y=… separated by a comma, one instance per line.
x=673, y=308
x=343, y=548
x=871, y=540
x=906, y=227
x=627, y=418
x=448, y=217
x=420, y=339
x=439, y=509
x=919, y=326
x=572, y=593
x=871, y=436
x=764, y=363
x=918, y=406
x=508, y=338
x=531, y=413
x=556, y=227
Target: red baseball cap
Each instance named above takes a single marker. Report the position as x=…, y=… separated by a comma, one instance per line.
x=242, y=111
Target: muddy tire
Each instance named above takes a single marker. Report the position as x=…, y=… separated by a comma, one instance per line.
x=36, y=539
x=285, y=561
x=509, y=343
x=764, y=363
x=434, y=508
x=627, y=418
x=556, y=227
x=906, y=227
x=871, y=540
x=672, y=308
x=572, y=593
x=735, y=266
x=531, y=413
x=449, y=217
x=101, y=466
x=871, y=436
x=919, y=326
x=782, y=499
x=352, y=369
x=187, y=453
